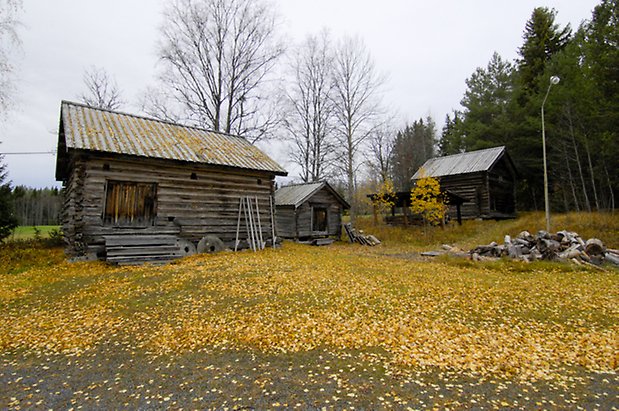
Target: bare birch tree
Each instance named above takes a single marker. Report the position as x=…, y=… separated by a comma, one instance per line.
x=9, y=40
x=356, y=102
x=101, y=90
x=379, y=152
x=309, y=119
x=216, y=56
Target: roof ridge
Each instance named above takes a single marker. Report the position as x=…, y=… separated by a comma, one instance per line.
x=467, y=162
x=468, y=152
x=124, y=113
x=302, y=184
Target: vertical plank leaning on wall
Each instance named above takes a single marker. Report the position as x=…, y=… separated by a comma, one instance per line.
x=192, y=200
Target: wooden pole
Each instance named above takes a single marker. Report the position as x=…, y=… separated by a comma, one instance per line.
x=272, y=221
x=247, y=223
x=252, y=224
x=238, y=225
x=259, y=225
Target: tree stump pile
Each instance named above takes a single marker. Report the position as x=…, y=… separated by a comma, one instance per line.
x=560, y=246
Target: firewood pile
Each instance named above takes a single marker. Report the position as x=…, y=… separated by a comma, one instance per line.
x=357, y=236
x=560, y=246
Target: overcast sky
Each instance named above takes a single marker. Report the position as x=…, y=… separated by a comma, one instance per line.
x=425, y=48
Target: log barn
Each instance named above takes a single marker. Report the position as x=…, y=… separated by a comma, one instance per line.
x=309, y=211
x=139, y=189
x=486, y=179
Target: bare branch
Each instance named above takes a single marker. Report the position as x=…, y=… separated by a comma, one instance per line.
x=101, y=90
x=356, y=104
x=157, y=104
x=9, y=40
x=216, y=55
x=310, y=117
x=379, y=153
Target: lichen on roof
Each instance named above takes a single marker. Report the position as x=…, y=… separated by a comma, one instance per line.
x=93, y=129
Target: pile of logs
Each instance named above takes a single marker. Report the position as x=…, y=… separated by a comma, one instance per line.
x=357, y=236
x=560, y=246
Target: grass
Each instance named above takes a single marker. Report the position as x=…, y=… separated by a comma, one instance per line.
x=29, y=232
x=471, y=233
x=307, y=327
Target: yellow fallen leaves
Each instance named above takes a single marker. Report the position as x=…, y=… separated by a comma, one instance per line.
x=298, y=298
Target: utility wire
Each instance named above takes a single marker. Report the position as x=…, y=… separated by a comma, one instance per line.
x=28, y=153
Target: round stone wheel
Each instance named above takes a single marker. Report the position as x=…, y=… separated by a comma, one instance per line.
x=211, y=244
x=186, y=247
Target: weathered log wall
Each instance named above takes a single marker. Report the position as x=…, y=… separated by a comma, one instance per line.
x=72, y=214
x=286, y=221
x=473, y=187
x=298, y=223
x=192, y=200
x=490, y=194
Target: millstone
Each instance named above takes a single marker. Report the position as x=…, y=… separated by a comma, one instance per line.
x=211, y=244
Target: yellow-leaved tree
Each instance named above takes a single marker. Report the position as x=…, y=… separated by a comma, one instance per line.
x=384, y=198
x=428, y=201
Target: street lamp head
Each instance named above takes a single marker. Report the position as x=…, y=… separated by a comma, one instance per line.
x=554, y=80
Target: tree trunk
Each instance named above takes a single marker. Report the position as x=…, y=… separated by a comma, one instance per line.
x=571, y=179
x=611, y=205
x=595, y=194
x=350, y=170
x=582, y=177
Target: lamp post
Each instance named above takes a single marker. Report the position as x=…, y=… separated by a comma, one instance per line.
x=553, y=80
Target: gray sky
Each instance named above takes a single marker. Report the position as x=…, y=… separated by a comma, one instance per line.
x=425, y=48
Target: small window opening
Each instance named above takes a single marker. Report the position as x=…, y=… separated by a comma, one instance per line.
x=129, y=204
x=194, y=176
x=259, y=181
x=170, y=218
x=106, y=167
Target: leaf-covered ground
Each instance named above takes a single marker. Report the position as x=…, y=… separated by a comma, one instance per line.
x=306, y=327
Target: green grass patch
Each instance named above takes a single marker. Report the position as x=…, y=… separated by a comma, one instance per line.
x=29, y=232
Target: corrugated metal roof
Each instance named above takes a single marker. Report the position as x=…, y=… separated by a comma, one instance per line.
x=297, y=194
x=470, y=162
x=93, y=129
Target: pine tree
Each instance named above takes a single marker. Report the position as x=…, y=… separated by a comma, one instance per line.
x=486, y=101
x=452, y=135
x=542, y=39
x=8, y=222
x=602, y=59
x=413, y=146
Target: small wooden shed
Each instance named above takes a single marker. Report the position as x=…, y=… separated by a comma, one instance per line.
x=486, y=179
x=309, y=211
x=138, y=189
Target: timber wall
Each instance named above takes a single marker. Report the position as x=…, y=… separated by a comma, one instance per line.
x=490, y=194
x=473, y=187
x=298, y=223
x=286, y=221
x=185, y=207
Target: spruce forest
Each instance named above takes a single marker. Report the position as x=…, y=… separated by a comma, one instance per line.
x=503, y=101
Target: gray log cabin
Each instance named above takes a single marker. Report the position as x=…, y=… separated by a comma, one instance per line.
x=143, y=188
x=309, y=211
x=486, y=179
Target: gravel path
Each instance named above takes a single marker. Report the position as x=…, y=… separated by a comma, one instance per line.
x=112, y=377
